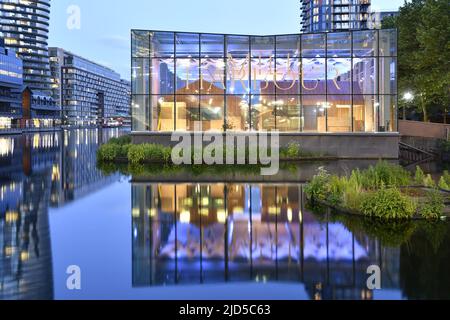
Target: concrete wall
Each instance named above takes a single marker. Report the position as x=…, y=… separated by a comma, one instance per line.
x=342, y=145
x=423, y=129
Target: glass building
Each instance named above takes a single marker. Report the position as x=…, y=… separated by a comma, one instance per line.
x=24, y=25
x=323, y=82
x=334, y=15
x=11, y=82
x=89, y=93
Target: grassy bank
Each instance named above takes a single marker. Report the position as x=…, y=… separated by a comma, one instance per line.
x=121, y=150
x=384, y=191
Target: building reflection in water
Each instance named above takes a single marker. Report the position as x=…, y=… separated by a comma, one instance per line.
x=38, y=171
x=212, y=233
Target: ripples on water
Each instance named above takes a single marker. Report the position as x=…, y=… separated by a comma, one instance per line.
x=142, y=238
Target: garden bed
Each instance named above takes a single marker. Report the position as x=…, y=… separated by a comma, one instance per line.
x=384, y=191
x=122, y=151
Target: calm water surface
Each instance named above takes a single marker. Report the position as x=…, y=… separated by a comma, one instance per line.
x=178, y=236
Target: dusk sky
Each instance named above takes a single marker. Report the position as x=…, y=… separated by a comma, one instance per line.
x=104, y=33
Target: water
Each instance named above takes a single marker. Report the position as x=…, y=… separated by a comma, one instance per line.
x=181, y=236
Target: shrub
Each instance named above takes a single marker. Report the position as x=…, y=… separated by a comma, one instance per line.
x=108, y=152
x=419, y=177
x=446, y=177
x=443, y=184
x=433, y=206
x=429, y=182
x=123, y=140
x=388, y=203
x=318, y=188
x=383, y=174
x=291, y=151
x=149, y=152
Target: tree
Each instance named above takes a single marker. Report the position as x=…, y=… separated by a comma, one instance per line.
x=423, y=53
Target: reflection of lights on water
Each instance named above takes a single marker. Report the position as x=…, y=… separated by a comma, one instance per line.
x=185, y=217
x=135, y=212
x=221, y=216
x=6, y=147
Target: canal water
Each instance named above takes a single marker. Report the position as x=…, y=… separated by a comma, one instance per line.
x=185, y=235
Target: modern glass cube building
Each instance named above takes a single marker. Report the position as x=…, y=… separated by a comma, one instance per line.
x=342, y=82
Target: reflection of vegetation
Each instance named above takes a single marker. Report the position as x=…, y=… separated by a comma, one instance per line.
x=391, y=234
x=383, y=191
x=424, y=262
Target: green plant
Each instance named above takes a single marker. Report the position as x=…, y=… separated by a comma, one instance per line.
x=419, y=176
x=388, y=203
x=429, y=182
x=291, y=151
x=121, y=140
x=446, y=177
x=108, y=152
x=318, y=188
x=443, y=184
x=434, y=205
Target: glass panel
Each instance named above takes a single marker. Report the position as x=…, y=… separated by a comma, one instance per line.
x=288, y=46
x=162, y=44
x=262, y=77
x=211, y=112
x=313, y=113
x=162, y=76
x=388, y=113
x=187, y=112
x=188, y=77
x=238, y=46
x=313, y=45
x=238, y=76
x=388, y=75
x=288, y=75
x=313, y=76
x=263, y=112
x=263, y=46
x=365, y=43
x=339, y=44
x=240, y=246
x=163, y=109
x=187, y=45
x=388, y=42
x=140, y=112
x=364, y=113
x=140, y=44
x=212, y=75
x=140, y=76
x=364, y=76
x=288, y=113
x=212, y=45
x=237, y=113
x=339, y=113
x=339, y=76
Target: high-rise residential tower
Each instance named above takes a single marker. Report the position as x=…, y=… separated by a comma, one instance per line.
x=24, y=25
x=89, y=93
x=334, y=15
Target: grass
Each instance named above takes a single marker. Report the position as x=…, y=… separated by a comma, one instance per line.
x=122, y=150
x=380, y=192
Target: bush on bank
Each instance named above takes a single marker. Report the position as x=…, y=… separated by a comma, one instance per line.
x=122, y=150
x=379, y=191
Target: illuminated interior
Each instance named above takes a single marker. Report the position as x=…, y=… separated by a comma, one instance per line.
x=325, y=82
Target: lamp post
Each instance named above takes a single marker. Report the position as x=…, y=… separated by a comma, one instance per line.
x=408, y=97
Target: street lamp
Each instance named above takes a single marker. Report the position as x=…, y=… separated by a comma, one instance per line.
x=408, y=96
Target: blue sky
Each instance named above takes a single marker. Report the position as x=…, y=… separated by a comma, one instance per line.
x=104, y=35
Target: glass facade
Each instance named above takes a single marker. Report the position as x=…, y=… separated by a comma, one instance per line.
x=324, y=82
x=89, y=93
x=334, y=15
